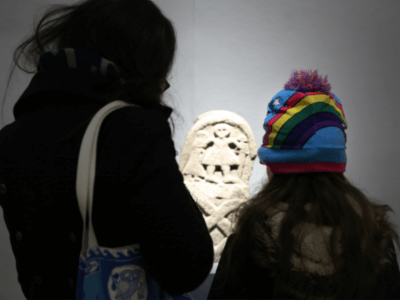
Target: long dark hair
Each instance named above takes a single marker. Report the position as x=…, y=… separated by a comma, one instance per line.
x=141, y=41
x=133, y=34
x=335, y=202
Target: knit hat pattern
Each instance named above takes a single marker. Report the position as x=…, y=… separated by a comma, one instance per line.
x=305, y=127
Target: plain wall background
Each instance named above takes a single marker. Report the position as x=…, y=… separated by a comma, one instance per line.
x=236, y=55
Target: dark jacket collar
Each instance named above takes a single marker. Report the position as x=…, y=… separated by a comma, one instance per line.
x=52, y=76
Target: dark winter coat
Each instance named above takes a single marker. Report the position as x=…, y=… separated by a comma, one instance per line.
x=139, y=194
x=314, y=277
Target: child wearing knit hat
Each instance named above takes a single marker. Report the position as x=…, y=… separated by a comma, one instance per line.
x=308, y=233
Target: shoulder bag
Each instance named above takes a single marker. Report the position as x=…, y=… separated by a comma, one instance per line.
x=108, y=273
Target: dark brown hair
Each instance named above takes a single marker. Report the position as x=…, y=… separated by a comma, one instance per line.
x=334, y=200
x=141, y=41
x=133, y=34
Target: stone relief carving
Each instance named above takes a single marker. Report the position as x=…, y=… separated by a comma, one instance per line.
x=216, y=162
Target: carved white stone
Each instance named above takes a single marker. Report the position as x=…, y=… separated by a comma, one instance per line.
x=216, y=162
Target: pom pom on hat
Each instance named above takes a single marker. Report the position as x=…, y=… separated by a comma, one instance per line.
x=302, y=80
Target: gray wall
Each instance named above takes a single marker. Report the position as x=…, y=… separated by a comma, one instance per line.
x=236, y=54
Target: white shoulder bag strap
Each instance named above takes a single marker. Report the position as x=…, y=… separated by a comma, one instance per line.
x=87, y=169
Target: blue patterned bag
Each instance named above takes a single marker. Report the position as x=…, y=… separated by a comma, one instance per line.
x=108, y=273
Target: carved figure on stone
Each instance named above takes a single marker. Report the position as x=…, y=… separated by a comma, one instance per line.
x=221, y=155
x=216, y=162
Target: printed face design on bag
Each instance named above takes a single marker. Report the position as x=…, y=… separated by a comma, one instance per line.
x=128, y=281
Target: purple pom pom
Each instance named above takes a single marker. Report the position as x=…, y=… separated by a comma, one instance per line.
x=302, y=80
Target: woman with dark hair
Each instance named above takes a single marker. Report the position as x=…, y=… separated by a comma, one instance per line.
x=85, y=56
x=308, y=233
x=98, y=51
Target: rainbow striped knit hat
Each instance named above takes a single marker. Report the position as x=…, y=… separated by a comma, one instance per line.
x=304, y=127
